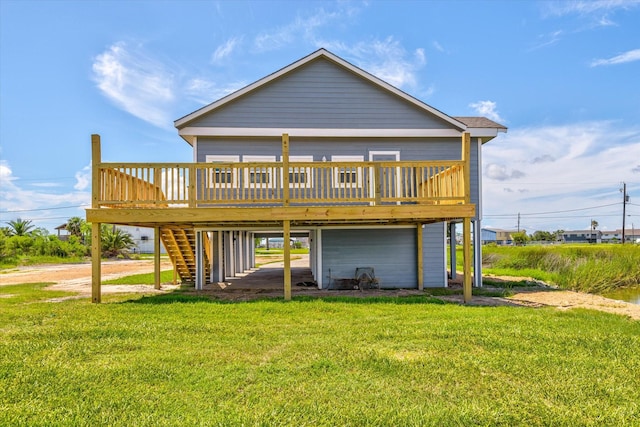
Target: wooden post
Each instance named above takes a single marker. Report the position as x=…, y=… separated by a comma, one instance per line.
x=96, y=252
x=285, y=169
x=419, y=240
x=156, y=257
x=466, y=249
x=96, y=247
x=466, y=157
x=286, y=227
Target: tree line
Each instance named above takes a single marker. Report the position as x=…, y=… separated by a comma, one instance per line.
x=21, y=239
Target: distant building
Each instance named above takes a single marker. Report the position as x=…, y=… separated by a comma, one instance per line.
x=63, y=233
x=615, y=236
x=142, y=237
x=488, y=236
x=503, y=237
x=582, y=236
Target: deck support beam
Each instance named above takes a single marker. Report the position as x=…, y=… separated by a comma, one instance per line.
x=96, y=247
x=419, y=245
x=452, y=249
x=96, y=266
x=286, y=234
x=156, y=257
x=466, y=249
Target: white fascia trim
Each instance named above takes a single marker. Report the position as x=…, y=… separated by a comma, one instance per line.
x=318, y=132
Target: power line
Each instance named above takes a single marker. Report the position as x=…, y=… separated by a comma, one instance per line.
x=43, y=209
x=552, y=212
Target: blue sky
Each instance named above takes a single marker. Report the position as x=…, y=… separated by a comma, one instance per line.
x=563, y=76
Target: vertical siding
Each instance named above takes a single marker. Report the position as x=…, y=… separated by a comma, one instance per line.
x=321, y=94
x=434, y=248
x=391, y=252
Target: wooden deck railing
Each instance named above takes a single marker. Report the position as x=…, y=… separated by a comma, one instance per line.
x=263, y=183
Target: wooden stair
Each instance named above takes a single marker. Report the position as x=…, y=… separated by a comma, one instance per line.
x=180, y=243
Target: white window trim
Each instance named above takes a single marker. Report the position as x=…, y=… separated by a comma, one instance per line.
x=307, y=171
x=223, y=158
x=396, y=154
x=337, y=171
x=270, y=178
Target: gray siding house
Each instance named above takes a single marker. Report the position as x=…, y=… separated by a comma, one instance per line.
x=375, y=176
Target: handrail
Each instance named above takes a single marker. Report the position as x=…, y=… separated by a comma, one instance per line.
x=248, y=184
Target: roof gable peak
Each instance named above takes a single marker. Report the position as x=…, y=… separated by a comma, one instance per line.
x=325, y=54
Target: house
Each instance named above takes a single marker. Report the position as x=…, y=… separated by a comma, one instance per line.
x=488, y=235
x=142, y=238
x=63, y=233
x=582, y=236
x=615, y=236
x=372, y=175
x=502, y=237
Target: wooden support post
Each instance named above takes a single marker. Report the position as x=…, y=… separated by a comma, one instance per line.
x=96, y=252
x=419, y=245
x=96, y=247
x=285, y=170
x=452, y=249
x=156, y=258
x=286, y=235
x=466, y=249
x=466, y=157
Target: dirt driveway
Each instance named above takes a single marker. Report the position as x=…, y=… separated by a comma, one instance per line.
x=77, y=278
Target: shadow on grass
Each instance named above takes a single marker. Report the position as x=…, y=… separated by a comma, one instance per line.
x=178, y=297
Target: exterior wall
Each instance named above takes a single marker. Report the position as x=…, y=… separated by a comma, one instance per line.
x=321, y=94
x=434, y=238
x=391, y=252
x=324, y=148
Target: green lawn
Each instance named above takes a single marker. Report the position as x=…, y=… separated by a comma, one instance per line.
x=180, y=360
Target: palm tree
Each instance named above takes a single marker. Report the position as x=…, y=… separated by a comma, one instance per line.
x=594, y=224
x=76, y=226
x=115, y=242
x=20, y=227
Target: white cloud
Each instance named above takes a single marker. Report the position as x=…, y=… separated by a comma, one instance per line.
x=83, y=178
x=560, y=168
x=37, y=205
x=487, y=109
x=301, y=28
x=135, y=82
x=225, y=50
x=438, y=47
x=586, y=7
x=205, y=91
x=629, y=56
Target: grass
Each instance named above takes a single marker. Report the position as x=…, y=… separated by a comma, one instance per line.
x=183, y=360
x=141, y=279
x=588, y=268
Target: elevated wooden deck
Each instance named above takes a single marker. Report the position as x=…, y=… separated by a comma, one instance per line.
x=267, y=193
x=178, y=198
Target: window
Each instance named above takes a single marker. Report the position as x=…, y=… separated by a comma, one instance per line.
x=348, y=176
x=223, y=177
x=300, y=177
x=258, y=176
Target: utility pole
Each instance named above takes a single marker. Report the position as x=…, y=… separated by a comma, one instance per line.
x=625, y=199
x=518, y=222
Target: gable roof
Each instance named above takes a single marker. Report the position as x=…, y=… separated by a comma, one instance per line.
x=483, y=127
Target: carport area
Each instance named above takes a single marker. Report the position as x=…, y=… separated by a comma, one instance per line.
x=267, y=279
